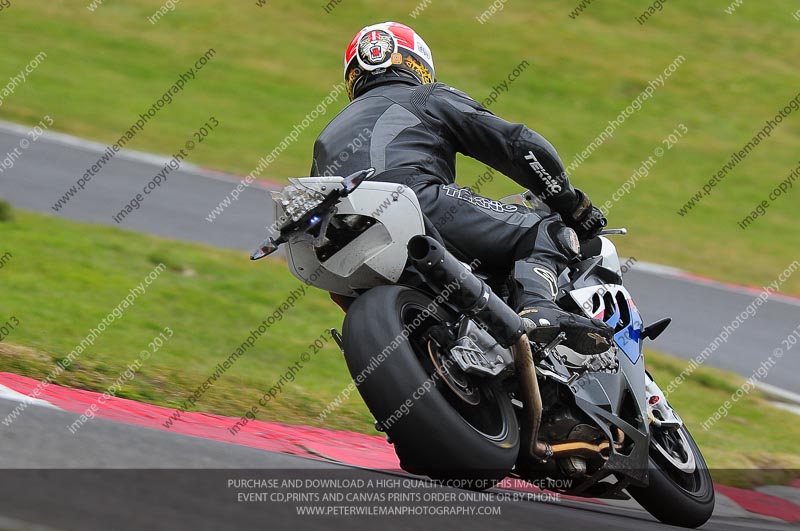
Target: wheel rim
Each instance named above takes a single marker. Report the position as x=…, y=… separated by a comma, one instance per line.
x=675, y=448
x=475, y=401
x=676, y=457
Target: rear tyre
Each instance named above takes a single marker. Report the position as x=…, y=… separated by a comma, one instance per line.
x=434, y=430
x=678, y=494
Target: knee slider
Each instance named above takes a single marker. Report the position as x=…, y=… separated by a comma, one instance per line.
x=566, y=239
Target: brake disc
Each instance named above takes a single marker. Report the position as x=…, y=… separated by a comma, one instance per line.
x=457, y=380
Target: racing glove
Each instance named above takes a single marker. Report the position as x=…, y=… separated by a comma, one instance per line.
x=585, y=219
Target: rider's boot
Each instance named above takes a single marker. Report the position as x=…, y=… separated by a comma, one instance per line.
x=537, y=288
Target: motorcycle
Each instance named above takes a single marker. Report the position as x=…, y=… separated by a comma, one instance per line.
x=450, y=375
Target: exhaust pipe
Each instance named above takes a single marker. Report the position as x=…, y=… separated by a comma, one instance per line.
x=469, y=294
x=532, y=400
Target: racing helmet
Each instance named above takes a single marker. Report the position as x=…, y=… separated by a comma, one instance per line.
x=388, y=46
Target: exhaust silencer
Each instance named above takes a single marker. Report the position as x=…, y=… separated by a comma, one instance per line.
x=466, y=292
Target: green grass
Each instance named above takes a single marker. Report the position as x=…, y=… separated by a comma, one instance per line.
x=65, y=276
x=6, y=211
x=274, y=64
x=754, y=443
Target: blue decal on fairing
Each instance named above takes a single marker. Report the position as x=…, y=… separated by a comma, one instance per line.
x=614, y=319
x=629, y=338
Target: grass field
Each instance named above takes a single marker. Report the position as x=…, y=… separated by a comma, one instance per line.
x=274, y=64
x=65, y=277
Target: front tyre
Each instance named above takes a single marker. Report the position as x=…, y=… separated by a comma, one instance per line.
x=680, y=491
x=435, y=430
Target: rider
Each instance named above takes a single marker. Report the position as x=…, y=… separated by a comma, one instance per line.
x=414, y=127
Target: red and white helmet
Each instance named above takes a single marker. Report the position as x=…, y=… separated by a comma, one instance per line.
x=389, y=45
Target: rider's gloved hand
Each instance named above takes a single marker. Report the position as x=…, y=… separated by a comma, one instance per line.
x=585, y=219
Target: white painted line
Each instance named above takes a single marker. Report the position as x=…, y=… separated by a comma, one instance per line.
x=685, y=276
x=159, y=160
x=779, y=392
x=63, y=139
x=54, y=137
x=656, y=269
x=9, y=394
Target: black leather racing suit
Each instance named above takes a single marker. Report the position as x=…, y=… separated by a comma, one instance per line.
x=411, y=133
